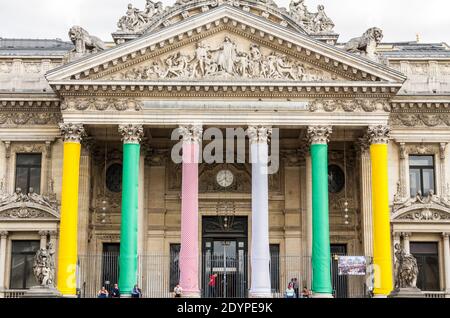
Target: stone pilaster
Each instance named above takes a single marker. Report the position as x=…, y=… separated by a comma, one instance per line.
x=43, y=240
x=446, y=246
x=443, y=171
x=3, y=240
x=406, y=236
x=84, y=199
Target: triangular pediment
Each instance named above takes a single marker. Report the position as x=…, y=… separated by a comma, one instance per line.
x=256, y=49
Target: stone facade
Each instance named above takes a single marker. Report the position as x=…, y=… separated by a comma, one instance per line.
x=219, y=64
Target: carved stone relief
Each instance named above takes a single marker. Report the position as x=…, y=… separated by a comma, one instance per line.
x=9, y=119
x=101, y=104
x=353, y=105
x=420, y=119
x=222, y=58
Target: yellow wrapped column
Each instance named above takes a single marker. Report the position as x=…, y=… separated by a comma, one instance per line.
x=67, y=251
x=382, y=246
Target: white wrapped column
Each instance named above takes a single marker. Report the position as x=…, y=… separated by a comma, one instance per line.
x=260, y=253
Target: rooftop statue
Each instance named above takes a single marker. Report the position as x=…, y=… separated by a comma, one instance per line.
x=315, y=22
x=366, y=44
x=85, y=43
x=135, y=19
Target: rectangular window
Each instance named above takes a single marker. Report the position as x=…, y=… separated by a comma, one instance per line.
x=22, y=258
x=275, y=267
x=421, y=174
x=174, y=265
x=28, y=172
x=427, y=256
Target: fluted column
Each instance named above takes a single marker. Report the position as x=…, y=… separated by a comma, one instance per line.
x=189, y=253
x=68, y=236
x=366, y=200
x=447, y=262
x=128, y=258
x=43, y=240
x=260, y=251
x=3, y=239
x=382, y=247
x=443, y=172
x=321, y=256
x=84, y=197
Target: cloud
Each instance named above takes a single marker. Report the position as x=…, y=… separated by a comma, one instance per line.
x=400, y=20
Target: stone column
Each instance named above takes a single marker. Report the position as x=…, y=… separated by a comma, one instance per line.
x=309, y=218
x=128, y=259
x=68, y=236
x=189, y=253
x=260, y=251
x=403, y=193
x=443, y=175
x=366, y=200
x=406, y=236
x=447, y=263
x=3, y=239
x=321, y=256
x=84, y=197
x=43, y=240
x=382, y=247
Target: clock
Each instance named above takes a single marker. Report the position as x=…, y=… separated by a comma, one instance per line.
x=336, y=179
x=225, y=178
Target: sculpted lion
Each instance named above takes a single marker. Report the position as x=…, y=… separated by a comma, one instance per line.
x=365, y=44
x=85, y=43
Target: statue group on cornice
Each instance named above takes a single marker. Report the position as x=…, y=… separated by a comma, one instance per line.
x=317, y=22
x=136, y=19
x=226, y=61
x=32, y=197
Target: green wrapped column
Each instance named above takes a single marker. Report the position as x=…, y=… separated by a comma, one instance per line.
x=321, y=256
x=128, y=259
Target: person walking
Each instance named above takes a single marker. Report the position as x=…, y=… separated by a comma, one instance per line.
x=177, y=291
x=115, y=292
x=290, y=293
x=295, y=286
x=212, y=285
x=136, y=292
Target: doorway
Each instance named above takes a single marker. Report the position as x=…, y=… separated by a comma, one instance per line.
x=110, y=265
x=339, y=282
x=224, y=258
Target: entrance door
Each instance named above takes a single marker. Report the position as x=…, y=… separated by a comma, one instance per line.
x=110, y=265
x=339, y=282
x=224, y=260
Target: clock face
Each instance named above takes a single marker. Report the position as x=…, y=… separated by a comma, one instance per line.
x=225, y=178
x=336, y=179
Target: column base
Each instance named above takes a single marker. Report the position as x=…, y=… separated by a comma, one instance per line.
x=319, y=295
x=191, y=294
x=379, y=296
x=260, y=294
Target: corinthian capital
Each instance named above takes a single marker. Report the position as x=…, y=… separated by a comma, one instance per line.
x=259, y=134
x=72, y=132
x=191, y=133
x=131, y=134
x=379, y=134
x=319, y=135
x=3, y=234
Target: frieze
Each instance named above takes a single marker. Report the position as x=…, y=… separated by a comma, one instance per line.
x=350, y=105
x=101, y=104
x=5, y=67
x=420, y=120
x=9, y=119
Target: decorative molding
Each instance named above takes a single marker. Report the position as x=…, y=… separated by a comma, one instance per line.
x=16, y=119
x=420, y=120
x=420, y=208
x=131, y=134
x=191, y=133
x=72, y=132
x=259, y=134
x=101, y=104
x=3, y=234
x=349, y=105
x=379, y=134
x=319, y=135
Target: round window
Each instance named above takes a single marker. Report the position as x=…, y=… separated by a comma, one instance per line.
x=114, y=177
x=336, y=179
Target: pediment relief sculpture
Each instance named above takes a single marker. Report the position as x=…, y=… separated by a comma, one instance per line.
x=27, y=206
x=224, y=58
x=422, y=208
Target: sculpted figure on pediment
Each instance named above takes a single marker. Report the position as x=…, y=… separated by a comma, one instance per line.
x=135, y=19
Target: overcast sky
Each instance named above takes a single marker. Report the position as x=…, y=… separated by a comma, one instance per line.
x=400, y=20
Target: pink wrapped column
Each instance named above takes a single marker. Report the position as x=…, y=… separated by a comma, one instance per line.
x=189, y=253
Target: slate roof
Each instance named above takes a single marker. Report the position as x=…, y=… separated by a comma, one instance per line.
x=34, y=47
x=415, y=50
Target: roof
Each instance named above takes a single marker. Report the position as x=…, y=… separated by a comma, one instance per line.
x=414, y=50
x=34, y=47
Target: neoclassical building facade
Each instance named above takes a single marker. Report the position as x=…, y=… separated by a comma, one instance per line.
x=357, y=133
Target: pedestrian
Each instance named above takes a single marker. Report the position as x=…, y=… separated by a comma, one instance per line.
x=306, y=293
x=212, y=284
x=295, y=286
x=115, y=292
x=290, y=293
x=103, y=293
x=136, y=292
x=177, y=291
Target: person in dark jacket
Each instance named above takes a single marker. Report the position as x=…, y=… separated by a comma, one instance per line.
x=136, y=292
x=115, y=292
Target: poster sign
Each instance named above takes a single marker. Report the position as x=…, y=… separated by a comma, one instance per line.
x=352, y=265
